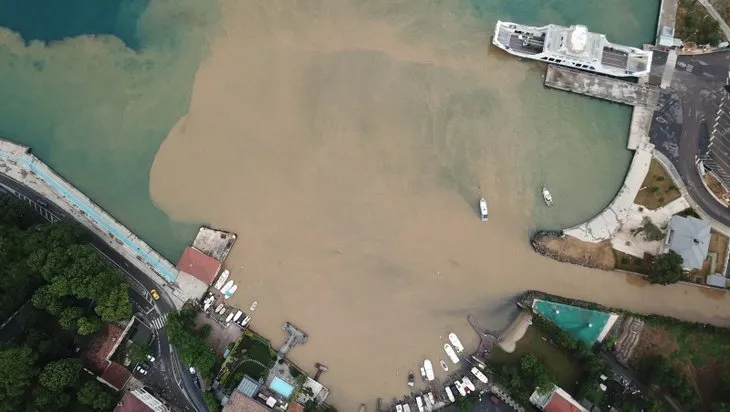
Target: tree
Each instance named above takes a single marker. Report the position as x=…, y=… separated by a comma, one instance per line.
x=69, y=317
x=115, y=304
x=17, y=369
x=95, y=395
x=211, y=402
x=666, y=268
x=60, y=374
x=14, y=213
x=49, y=400
x=137, y=353
x=88, y=325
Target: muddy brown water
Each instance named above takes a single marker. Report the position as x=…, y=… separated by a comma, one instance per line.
x=349, y=148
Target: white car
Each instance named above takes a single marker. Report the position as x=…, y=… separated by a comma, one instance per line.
x=151, y=358
x=141, y=370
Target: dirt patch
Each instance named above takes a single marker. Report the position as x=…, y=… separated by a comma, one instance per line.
x=655, y=341
x=219, y=337
x=718, y=244
x=630, y=263
x=658, y=189
x=597, y=255
x=716, y=187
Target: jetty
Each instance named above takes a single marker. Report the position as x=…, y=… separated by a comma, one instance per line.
x=295, y=337
x=602, y=87
x=486, y=341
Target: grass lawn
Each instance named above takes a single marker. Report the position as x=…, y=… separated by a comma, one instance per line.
x=657, y=189
x=630, y=263
x=564, y=369
x=252, y=369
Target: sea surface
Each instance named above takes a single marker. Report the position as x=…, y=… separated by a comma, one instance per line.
x=347, y=142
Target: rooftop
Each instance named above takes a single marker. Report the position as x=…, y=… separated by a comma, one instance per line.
x=214, y=243
x=199, y=265
x=689, y=237
x=100, y=349
x=556, y=401
x=116, y=375
x=240, y=403
x=130, y=403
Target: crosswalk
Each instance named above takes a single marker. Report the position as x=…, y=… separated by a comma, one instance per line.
x=159, y=322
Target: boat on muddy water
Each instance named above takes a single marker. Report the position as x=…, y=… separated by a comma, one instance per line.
x=362, y=408
x=450, y=353
x=222, y=279
x=449, y=394
x=444, y=366
x=253, y=306
x=547, y=197
x=230, y=292
x=227, y=286
x=484, y=212
x=467, y=382
x=411, y=378
x=237, y=315
x=428, y=368
x=482, y=377
x=218, y=308
x=398, y=408
x=229, y=317
x=456, y=342
x=423, y=373
x=460, y=388
x=406, y=407
x=419, y=403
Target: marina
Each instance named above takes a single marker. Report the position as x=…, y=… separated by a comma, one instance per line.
x=602, y=87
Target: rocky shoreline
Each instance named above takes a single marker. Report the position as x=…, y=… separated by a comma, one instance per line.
x=541, y=244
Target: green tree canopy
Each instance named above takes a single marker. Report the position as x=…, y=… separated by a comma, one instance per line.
x=666, y=269
x=95, y=395
x=60, y=374
x=17, y=369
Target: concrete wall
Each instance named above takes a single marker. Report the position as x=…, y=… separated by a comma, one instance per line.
x=18, y=164
x=608, y=222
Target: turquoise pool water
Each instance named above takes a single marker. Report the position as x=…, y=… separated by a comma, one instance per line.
x=283, y=388
x=583, y=324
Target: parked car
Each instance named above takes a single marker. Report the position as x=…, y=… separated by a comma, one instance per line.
x=155, y=295
x=151, y=358
x=141, y=370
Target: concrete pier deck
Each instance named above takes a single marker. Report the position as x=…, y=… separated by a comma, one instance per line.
x=601, y=87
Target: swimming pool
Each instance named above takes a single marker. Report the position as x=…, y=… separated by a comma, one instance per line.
x=281, y=387
x=586, y=325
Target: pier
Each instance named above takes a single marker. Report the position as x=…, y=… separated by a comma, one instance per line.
x=296, y=337
x=602, y=87
x=486, y=341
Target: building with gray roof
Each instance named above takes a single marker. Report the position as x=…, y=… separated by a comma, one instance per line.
x=689, y=237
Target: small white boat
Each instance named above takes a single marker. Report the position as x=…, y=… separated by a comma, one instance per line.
x=229, y=317
x=482, y=377
x=450, y=353
x=398, y=408
x=406, y=407
x=223, y=312
x=237, y=315
x=427, y=401
x=467, y=382
x=410, y=378
x=483, y=209
x=456, y=342
x=227, y=286
x=230, y=292
x=547, y=197
x=429, y=396
x=419, y=402
x=219, y=308
x=449, y=394
x=460, y=388
x=207, y=305
x=444, y=366
x=423, y=373
x=253, y=306
x=222, y=279
x=428, y=367
x=245, y=320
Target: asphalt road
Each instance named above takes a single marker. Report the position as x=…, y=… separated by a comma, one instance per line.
x=169, y=376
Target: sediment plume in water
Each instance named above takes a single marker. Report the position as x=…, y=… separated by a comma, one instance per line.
x=348, y=143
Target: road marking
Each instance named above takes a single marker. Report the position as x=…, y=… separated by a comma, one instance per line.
x=159, y=323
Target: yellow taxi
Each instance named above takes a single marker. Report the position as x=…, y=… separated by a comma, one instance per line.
x=154, y=294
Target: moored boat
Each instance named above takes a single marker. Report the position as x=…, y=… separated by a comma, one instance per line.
x=449, y=394
x=419, y=403
x=430, y=398
x=467, y=382
x=207, y=305
x=428, y=368
x=482, y=377
x=423, y=373
x=230, y=292
x=237, y=315
x=411, y=378
x=362, y=408
x=460, y=388
x=456, y=342
x=484, y=212
x=229, y=317
x=398, y=408
x=444, y=366
x=245, y=320
x=227, y=286
x=547, y=197
x=218, y=308
x=253, y=306
x=222, y=279
x=406, y=407
x=450, y=353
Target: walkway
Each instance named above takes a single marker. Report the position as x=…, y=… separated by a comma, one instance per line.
x=715, y=15
x=486, y=341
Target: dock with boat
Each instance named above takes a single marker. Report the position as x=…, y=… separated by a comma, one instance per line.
x=602, y=87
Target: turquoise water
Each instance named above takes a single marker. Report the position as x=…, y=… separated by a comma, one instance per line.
x=584, y=325
x=97, y=105
x=281, y=387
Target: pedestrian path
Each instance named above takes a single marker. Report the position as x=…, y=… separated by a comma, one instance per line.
x=159, y=322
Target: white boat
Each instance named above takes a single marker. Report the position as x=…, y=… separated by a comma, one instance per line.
x=227, y=286
x=207, y=305
x=245, y=320
x=444, y=366
x=482, y=377
x=449, y=394
x=237, y=315
x=484, y=212
x=406, y=407
x=547, y=197
x=460, y=388
x=253, y=306
x=428, y=367
x=429, y=396
x=419, y=403
x=574, y=47
x=423, y=373
x=222, y=279
x=223, y=312
x=219, y=308
x=456, y=342
x=427, y=402
x=451, y=354
x=467, y=382
x=398, y=408
x=230, y=292
x=229, y=317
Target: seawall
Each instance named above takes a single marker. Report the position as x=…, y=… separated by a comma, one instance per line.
x=17, y=163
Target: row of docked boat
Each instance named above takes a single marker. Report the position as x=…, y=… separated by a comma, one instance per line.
x=226, y=288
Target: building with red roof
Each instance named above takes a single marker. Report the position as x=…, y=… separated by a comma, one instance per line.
x=116, y=375
x=295, y=407
x=130, y=403
x=239, y=402
x=556, y=400
x=102, y=347
x=199, y=265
